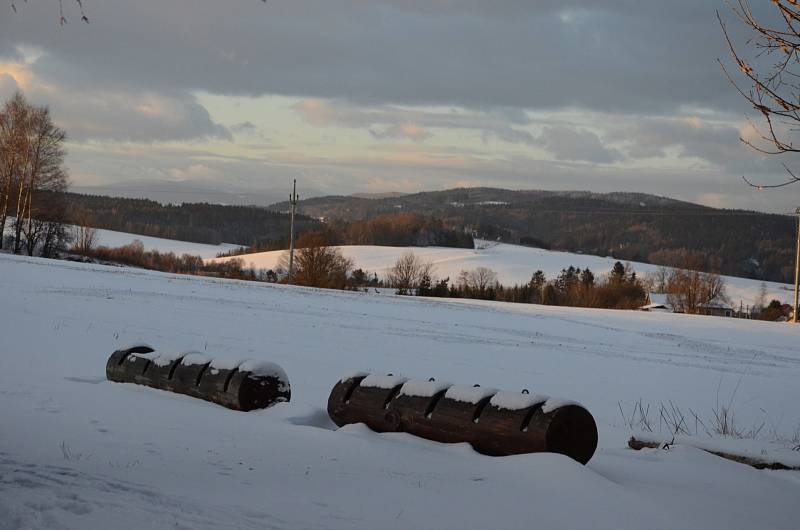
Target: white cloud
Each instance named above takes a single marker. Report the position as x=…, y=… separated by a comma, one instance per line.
x=93, y=113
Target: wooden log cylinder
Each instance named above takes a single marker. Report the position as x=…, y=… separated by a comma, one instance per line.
x=238, y=385
x=494, y=422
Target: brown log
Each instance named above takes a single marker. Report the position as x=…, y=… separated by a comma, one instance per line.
x=356, y=404
x=490, y=429
x=194, y=375
x=758, y=463
x=117, y=369
x=188, y=375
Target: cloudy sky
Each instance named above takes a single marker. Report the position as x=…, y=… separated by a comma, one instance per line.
x=403, y=95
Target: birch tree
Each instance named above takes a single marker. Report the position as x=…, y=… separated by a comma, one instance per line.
x=31, y=172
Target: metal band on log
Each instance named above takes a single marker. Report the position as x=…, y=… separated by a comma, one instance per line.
x=237, y=385
x=495, y=423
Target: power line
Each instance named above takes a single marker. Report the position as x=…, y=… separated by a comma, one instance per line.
x=293, y=198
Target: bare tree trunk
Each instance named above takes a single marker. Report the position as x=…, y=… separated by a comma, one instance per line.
x=30, y=232
x=11, y=171
x=20, y=215
x=4, y=211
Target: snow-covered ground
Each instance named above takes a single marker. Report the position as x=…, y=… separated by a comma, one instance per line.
x=111, y=238
x=77, y=451
x=514, y=264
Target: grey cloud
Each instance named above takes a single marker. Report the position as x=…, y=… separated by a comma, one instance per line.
x=569, y=143
x=245, y=127
x=91, y=113
x=622, y=56
x=394, y=122
x=717, y=144
x=131, y=118
x=497, y=62
x=401, y=130
x=358, y=174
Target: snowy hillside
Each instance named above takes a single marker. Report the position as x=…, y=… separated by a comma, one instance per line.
x=513, y=264
x=77, y=451
x=111, y=238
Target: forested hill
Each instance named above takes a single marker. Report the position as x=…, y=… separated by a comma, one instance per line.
x=629, y=226
x=252, y=226
x=196, y=222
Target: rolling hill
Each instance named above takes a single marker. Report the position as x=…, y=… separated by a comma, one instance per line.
x=628, y=226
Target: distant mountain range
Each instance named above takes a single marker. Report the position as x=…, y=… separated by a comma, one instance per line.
x=387, y=195
x=633, y=226
x=180, y=192
x=365, y=206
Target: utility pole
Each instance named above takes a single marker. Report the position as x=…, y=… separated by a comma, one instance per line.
x=293, y=201
x=796, y=268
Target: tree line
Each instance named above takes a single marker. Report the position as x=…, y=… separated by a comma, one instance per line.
x=255, y=228
x=195, y=222
x=620, y=289
x=687, y=290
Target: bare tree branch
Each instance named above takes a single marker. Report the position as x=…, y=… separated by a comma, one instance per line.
x=774, y=90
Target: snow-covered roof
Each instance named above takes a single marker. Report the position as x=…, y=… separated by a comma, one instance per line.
x=657, y=301
x=715, y=303
x=656, y=306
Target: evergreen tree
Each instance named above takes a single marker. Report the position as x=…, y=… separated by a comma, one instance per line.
x=424, y=288
x=618, y=273
x=536, y=285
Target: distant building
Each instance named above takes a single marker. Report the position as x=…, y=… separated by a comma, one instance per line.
x=657, y=302
x=715, y=307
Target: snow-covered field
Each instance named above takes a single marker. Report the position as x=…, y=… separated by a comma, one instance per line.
x=513, y=264
x=111, y=238
x=77, y=451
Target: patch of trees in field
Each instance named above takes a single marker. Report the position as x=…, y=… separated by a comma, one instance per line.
x=687, y=290
x=619, y=289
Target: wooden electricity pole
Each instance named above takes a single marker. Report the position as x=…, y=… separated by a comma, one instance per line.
x=796, y=268
x=293, y=201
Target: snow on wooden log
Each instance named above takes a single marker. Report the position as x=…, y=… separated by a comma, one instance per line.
x=494, y=423
x=236, y=384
